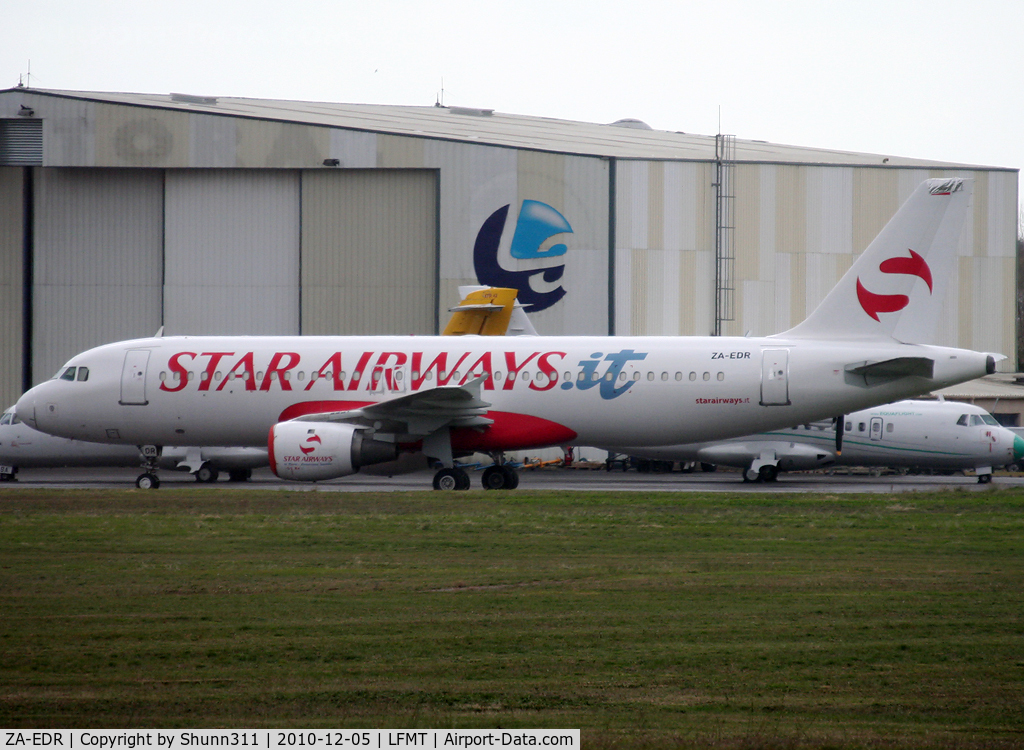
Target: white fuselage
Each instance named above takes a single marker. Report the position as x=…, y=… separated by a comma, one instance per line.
x=912, y=434
x=26, y=448
x=540, y=391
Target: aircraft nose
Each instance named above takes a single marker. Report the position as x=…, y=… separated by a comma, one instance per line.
x=26, y=408
x=1018, y=447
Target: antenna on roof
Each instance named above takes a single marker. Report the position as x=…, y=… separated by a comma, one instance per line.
x=26, y=80
x=439, y=101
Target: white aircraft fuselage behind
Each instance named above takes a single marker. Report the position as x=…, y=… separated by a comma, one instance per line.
x=913, y=434
x=26, y=448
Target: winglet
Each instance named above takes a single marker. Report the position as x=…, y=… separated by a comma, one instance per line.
x=896, y=286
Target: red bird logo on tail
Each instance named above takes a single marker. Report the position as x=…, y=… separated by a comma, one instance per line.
x=873, y=303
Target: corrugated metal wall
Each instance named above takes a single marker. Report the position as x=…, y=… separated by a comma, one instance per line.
x=369, y=251
x=11, y=281
x=98, y=249
x=664, y=248
x=231, y=252
x=474, y=182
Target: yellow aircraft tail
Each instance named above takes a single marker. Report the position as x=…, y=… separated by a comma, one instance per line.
x=486, y=311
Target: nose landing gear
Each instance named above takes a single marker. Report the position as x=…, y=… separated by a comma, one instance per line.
x=148, y=480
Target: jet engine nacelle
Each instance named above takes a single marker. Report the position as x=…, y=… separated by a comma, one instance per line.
x=312, y=451
x=787, y=456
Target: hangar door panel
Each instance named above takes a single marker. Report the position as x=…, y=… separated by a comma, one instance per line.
x=97, y=270
x=369, y=251
x=11, y=270
x=232, y=256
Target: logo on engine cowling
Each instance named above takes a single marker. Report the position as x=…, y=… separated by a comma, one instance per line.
x=313, y=438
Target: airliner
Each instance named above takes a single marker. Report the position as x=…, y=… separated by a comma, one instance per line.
x=916, y=434
x=326, y=406
x=25, y=448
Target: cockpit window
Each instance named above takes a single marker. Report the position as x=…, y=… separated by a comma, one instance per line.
x=990, y=420
x=73, y=373
x=964, y=420
x=6, y=418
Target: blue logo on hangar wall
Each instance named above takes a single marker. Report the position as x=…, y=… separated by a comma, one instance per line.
x=536, y=223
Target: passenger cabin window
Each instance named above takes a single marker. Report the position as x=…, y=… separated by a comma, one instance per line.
x=888, y=427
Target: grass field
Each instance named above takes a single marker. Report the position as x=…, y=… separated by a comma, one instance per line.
x=646, y=620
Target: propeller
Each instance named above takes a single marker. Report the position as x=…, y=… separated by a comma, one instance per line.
x=840, y=427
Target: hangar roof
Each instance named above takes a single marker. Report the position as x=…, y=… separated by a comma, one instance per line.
x=1000, y=385
x=626, y=139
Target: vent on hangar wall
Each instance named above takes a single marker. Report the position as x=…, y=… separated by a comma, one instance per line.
x=21, y=143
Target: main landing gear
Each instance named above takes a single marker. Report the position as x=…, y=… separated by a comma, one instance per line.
x=454, y=478
x=766, y=473
x=500, y=476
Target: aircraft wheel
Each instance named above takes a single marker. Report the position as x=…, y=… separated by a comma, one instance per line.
x=206, y=475
x=147, y=481
x=511, y=478
x=768, y=473
x=9, y=476
x=984, y=478
x=494, y=478
x=750, y=475
x=451, y=479
x=239, y=475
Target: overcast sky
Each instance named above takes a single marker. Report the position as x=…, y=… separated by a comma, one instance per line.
x=933, y=79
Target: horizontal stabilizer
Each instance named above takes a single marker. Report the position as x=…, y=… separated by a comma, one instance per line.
x=890, y=369
x=464, y=308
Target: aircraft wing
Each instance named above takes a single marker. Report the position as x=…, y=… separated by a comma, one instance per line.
x=415, y=415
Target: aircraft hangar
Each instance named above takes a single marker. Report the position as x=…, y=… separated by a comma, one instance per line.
x=124, y=213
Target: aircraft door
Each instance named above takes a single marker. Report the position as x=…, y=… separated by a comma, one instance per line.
x=875, y=430
x=775, y=377
x=133, y=377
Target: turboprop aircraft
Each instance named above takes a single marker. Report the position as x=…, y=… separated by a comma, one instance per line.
x=946, y=435
x=328, y=405
x=26, y=448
